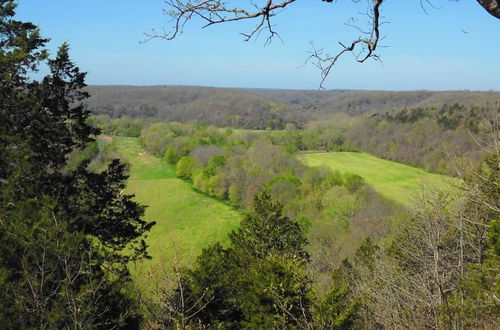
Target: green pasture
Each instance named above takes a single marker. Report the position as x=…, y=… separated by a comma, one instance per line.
x=143, y=166
x=186, y=221
x=400, y=182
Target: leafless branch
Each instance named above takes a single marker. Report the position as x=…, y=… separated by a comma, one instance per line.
x=362, y=48
x=213, y=12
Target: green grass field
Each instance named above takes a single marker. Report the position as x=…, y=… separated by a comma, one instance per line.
x=187, y=221
x=393, y=180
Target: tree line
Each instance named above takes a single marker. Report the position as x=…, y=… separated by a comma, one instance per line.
x=263, y=108
x=436, y=138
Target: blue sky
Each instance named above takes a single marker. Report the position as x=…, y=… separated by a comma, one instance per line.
x=453, y=46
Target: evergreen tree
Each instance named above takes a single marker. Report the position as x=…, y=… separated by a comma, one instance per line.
x=266, y=230
x=66, y=235
x=260, y=282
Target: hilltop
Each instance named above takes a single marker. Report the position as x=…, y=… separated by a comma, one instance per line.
x=262, y=108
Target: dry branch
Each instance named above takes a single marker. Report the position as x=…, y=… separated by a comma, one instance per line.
x=213, y=12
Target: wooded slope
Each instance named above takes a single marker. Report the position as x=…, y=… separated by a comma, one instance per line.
x=262, y=108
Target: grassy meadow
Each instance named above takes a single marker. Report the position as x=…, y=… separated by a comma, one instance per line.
x=393, y=180
x=186, y=221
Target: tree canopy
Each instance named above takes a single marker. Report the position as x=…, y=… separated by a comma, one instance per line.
x=66, y=233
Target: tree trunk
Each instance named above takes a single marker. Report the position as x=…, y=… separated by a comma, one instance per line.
x=491, y=6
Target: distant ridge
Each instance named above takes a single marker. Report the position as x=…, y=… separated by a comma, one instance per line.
x=261, y=108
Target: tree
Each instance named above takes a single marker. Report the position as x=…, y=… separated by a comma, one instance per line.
x=213, y=12
x=442, y=267
x=186, y=167
x=478, y=302
x=66, y=233
x=259, y=282
x=170, y=156
x=267, y=230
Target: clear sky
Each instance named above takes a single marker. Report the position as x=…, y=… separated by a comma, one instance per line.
x=453, y=46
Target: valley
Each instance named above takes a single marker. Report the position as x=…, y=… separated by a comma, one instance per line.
x=186, y=221
x=135, y=194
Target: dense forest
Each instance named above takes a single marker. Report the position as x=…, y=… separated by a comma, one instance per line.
x=316, y=248
x=437, y=138
x=262, y=108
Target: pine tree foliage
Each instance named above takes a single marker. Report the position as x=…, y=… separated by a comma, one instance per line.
x=66, y=235
x=259, y=282
x=266, y=230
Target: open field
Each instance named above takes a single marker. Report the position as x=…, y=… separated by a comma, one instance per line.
x=186, y=221
x=143, y=166
x=393, y=180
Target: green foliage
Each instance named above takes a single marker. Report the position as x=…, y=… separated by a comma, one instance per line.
x=494, y=238
x=212, y=282
x=481, y=285
x=122, y=126
x=260, y=286
x=335, y=178
x=338, y=309
x=268, y=231
x=216, y=187
x=217, y=161
x=37, y=290
x=341, y=205
x=171, y=156
x=353, y=182
x=66, y=234
x=275, y=292
x=234, y=194
x=365, y=254
x=185, y=167
x=284, y=188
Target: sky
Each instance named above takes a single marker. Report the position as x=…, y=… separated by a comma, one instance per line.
x=451, y=45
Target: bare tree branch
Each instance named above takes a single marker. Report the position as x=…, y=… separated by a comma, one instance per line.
x=213, y=12
x=366, y=46
x=216, y=12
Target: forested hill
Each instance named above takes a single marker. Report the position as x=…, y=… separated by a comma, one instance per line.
x=262, y=108
x=217, y=106
x=356, y=102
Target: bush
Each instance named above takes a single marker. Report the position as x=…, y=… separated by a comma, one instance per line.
x=171, y=156
x=234, y=194
x=353, y=181
x=185, y=167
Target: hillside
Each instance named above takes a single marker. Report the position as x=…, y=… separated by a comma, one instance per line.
x=217, y=106
x=354, y=102
x=261, y=108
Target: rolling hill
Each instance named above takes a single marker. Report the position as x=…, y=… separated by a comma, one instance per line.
x=262, y=108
